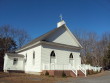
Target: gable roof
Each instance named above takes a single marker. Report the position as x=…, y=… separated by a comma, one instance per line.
x=44, y=36
x=73, y=37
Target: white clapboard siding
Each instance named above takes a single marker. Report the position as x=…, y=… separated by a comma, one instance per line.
x=62, y=55
x=62, y=36
x=8, y=65
x=29, y=66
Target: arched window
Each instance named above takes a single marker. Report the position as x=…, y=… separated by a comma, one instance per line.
x=52, y=57
x=71, y=59
x=71, y=56
x=52, y=54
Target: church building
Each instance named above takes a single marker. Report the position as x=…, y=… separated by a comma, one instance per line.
x=55, y=52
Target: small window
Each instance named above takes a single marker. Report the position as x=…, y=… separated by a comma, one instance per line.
x=15, y=60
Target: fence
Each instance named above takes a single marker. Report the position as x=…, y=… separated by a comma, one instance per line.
x=89, y=67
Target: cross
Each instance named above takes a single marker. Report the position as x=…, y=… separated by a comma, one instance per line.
x=61, y=17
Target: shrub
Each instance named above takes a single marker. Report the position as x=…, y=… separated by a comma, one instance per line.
x=97, y=71
x=92, y=72
x=63, y=74
x=88, y=73
x=100, y=71
x=46, y=73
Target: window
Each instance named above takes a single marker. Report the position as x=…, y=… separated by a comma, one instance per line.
x=15, y=60
x=33, y=57
x=52, y=57
x=71, y=59
x=71, y=56
x=26, y=57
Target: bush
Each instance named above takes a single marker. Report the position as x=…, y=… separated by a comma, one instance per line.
x=46, y=73
x=97, y=71
x=100, y=71
x=88, y=73
x=63, y=74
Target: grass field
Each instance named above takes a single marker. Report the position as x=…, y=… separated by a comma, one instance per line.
x=27, y=78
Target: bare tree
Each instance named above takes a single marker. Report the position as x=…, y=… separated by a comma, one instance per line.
x=95, y=48
x=10, y=39
x=21, y=37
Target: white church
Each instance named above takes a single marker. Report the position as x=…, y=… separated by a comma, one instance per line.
x=55, y=51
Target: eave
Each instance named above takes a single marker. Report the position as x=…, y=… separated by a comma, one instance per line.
x=49, y=43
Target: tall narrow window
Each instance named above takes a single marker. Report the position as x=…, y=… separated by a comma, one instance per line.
x=15, y=61
x=52, y=57
x=26, y=58
x=33, y=57
x=71, y=59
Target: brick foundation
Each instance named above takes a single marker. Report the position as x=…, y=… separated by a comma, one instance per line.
x=80, y=73
x=58, y=73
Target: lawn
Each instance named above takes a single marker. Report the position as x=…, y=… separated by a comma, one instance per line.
x=27, y=78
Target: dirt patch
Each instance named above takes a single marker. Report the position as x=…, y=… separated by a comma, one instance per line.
x=26, y=78
x=98, y=74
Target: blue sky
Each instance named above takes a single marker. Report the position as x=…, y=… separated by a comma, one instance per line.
x=40, y=16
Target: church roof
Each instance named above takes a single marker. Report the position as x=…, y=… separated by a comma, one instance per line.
x=15, y=55
x=43, y=37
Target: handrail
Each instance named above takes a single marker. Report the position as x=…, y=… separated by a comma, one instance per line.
x=83, y=70
x=75, y=72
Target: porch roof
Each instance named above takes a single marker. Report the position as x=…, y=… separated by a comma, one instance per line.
x=15, y=55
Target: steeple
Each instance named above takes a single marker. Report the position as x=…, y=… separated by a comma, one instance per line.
x=62, y=22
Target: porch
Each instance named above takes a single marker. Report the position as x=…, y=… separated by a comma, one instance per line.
x=57, y=69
